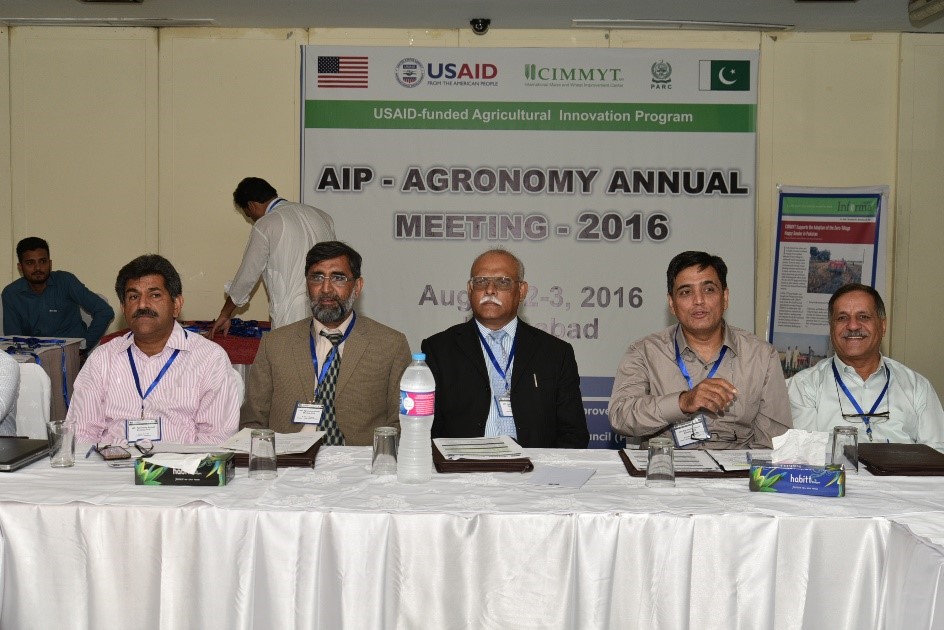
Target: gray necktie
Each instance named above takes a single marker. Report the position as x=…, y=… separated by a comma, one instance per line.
x=326, y=389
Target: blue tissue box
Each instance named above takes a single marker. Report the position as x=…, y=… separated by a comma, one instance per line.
x=821, y=481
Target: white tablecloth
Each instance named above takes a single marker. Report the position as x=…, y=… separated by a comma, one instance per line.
x=336, y=547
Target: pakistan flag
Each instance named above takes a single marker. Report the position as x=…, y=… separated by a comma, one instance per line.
x=731, y=76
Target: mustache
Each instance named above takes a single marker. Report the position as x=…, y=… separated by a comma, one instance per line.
x=490, y=298
x=146, y=312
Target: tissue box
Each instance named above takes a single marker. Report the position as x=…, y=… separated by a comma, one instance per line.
x=822, y=481
x=216, y=470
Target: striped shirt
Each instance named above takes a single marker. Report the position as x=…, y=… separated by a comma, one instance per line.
x=196, y=400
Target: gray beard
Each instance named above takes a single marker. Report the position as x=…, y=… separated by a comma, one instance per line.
x=329, y=316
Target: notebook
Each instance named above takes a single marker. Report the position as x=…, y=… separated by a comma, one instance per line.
x=901, y=459
x=18, y=452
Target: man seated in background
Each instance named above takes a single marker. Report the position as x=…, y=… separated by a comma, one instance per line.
x=337, y=371
x=858, y=386
x=46, y=303
x=158, y=382
x=702, y=382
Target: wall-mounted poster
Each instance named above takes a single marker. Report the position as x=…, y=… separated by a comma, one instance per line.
x=826, y=237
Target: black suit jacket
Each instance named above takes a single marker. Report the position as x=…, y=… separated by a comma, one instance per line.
x=545, y=387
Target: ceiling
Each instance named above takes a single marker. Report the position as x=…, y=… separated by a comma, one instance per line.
x=823, y=15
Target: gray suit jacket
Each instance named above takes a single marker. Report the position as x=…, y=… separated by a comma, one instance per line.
x=368, y=389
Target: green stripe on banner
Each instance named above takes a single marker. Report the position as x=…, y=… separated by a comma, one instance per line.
x=484, y=115
x=828, y=205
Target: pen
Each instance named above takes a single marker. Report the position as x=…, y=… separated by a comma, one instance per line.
x=535, y=375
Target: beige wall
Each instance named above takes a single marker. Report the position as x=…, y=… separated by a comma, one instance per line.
x=132, y=140
x=83, y=128
x=918, y=298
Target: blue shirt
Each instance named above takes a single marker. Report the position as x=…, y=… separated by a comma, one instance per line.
x=55, y=311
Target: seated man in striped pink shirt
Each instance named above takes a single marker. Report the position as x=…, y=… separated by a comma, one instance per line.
x=158, y=382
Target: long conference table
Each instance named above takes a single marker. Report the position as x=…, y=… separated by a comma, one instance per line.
x=335, y=547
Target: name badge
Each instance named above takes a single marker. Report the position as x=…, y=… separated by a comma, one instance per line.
x=691, y=432
x=503, y=403
x=143, y=429
x=308, y=413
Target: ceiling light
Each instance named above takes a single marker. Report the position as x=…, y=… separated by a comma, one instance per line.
x=680, y=25
x=115, y=21
x=924, y=10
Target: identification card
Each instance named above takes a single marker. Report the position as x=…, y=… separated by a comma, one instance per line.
x=143, y=429
x=503, y=403
x=691, y=432
x=308, y=413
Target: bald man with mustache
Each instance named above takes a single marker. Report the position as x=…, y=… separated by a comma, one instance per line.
x=496, y=375
x=860, y=387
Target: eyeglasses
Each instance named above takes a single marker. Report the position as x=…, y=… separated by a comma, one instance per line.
x=113, y=451
x=145, y=447
x=873, y=417
x=337, y=279
x=504, y=283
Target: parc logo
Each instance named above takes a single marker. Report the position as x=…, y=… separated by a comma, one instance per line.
x=411, y=72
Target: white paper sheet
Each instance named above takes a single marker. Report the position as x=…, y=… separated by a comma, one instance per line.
x=285, y=443
x=500, y=447
x=687, y=461
x=560, y=477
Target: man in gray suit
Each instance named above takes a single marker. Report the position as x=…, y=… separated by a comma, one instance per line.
x=337, y=371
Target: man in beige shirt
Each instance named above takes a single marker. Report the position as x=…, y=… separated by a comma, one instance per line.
x=701, y=382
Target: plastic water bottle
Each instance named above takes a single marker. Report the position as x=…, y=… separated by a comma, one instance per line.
x=417, y=400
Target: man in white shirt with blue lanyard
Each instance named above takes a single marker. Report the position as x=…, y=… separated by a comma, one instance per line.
x=282, y=233
x=858, y=386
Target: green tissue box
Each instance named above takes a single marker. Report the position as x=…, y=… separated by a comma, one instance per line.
x=216, y=470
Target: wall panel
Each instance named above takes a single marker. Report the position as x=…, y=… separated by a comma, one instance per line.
x=84, y=146
x=918, y=299
x=229, y=104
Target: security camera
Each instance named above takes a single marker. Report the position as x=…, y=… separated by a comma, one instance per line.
x=480, y=25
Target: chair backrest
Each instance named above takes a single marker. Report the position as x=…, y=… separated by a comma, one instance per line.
x=33, y=403
x=240, y=385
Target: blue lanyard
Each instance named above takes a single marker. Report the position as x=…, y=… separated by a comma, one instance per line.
x=160, y=375
x=334, y=351
x=865, y=417
x=491, y=356
x=681, y=363
x=272, y=205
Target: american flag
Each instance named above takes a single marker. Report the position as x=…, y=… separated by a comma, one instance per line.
x=345, y=71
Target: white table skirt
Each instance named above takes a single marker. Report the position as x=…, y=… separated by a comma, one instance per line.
x=336, y=547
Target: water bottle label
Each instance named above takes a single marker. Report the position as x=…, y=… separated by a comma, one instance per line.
x=417, y=403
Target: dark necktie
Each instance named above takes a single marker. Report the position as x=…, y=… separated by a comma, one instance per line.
x=326, y=389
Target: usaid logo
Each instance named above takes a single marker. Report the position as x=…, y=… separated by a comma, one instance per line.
x=409, y=72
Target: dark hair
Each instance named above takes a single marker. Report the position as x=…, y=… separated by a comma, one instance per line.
x=326, y=250
x=148, y=265
x=28, y=244
x=253, y=189
x=690, y=259
x=855, y=286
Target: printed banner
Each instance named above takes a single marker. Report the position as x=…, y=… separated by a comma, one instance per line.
x=825, y=238
x=595, y=167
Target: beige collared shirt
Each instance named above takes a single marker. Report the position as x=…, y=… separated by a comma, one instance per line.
x=645, y=395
